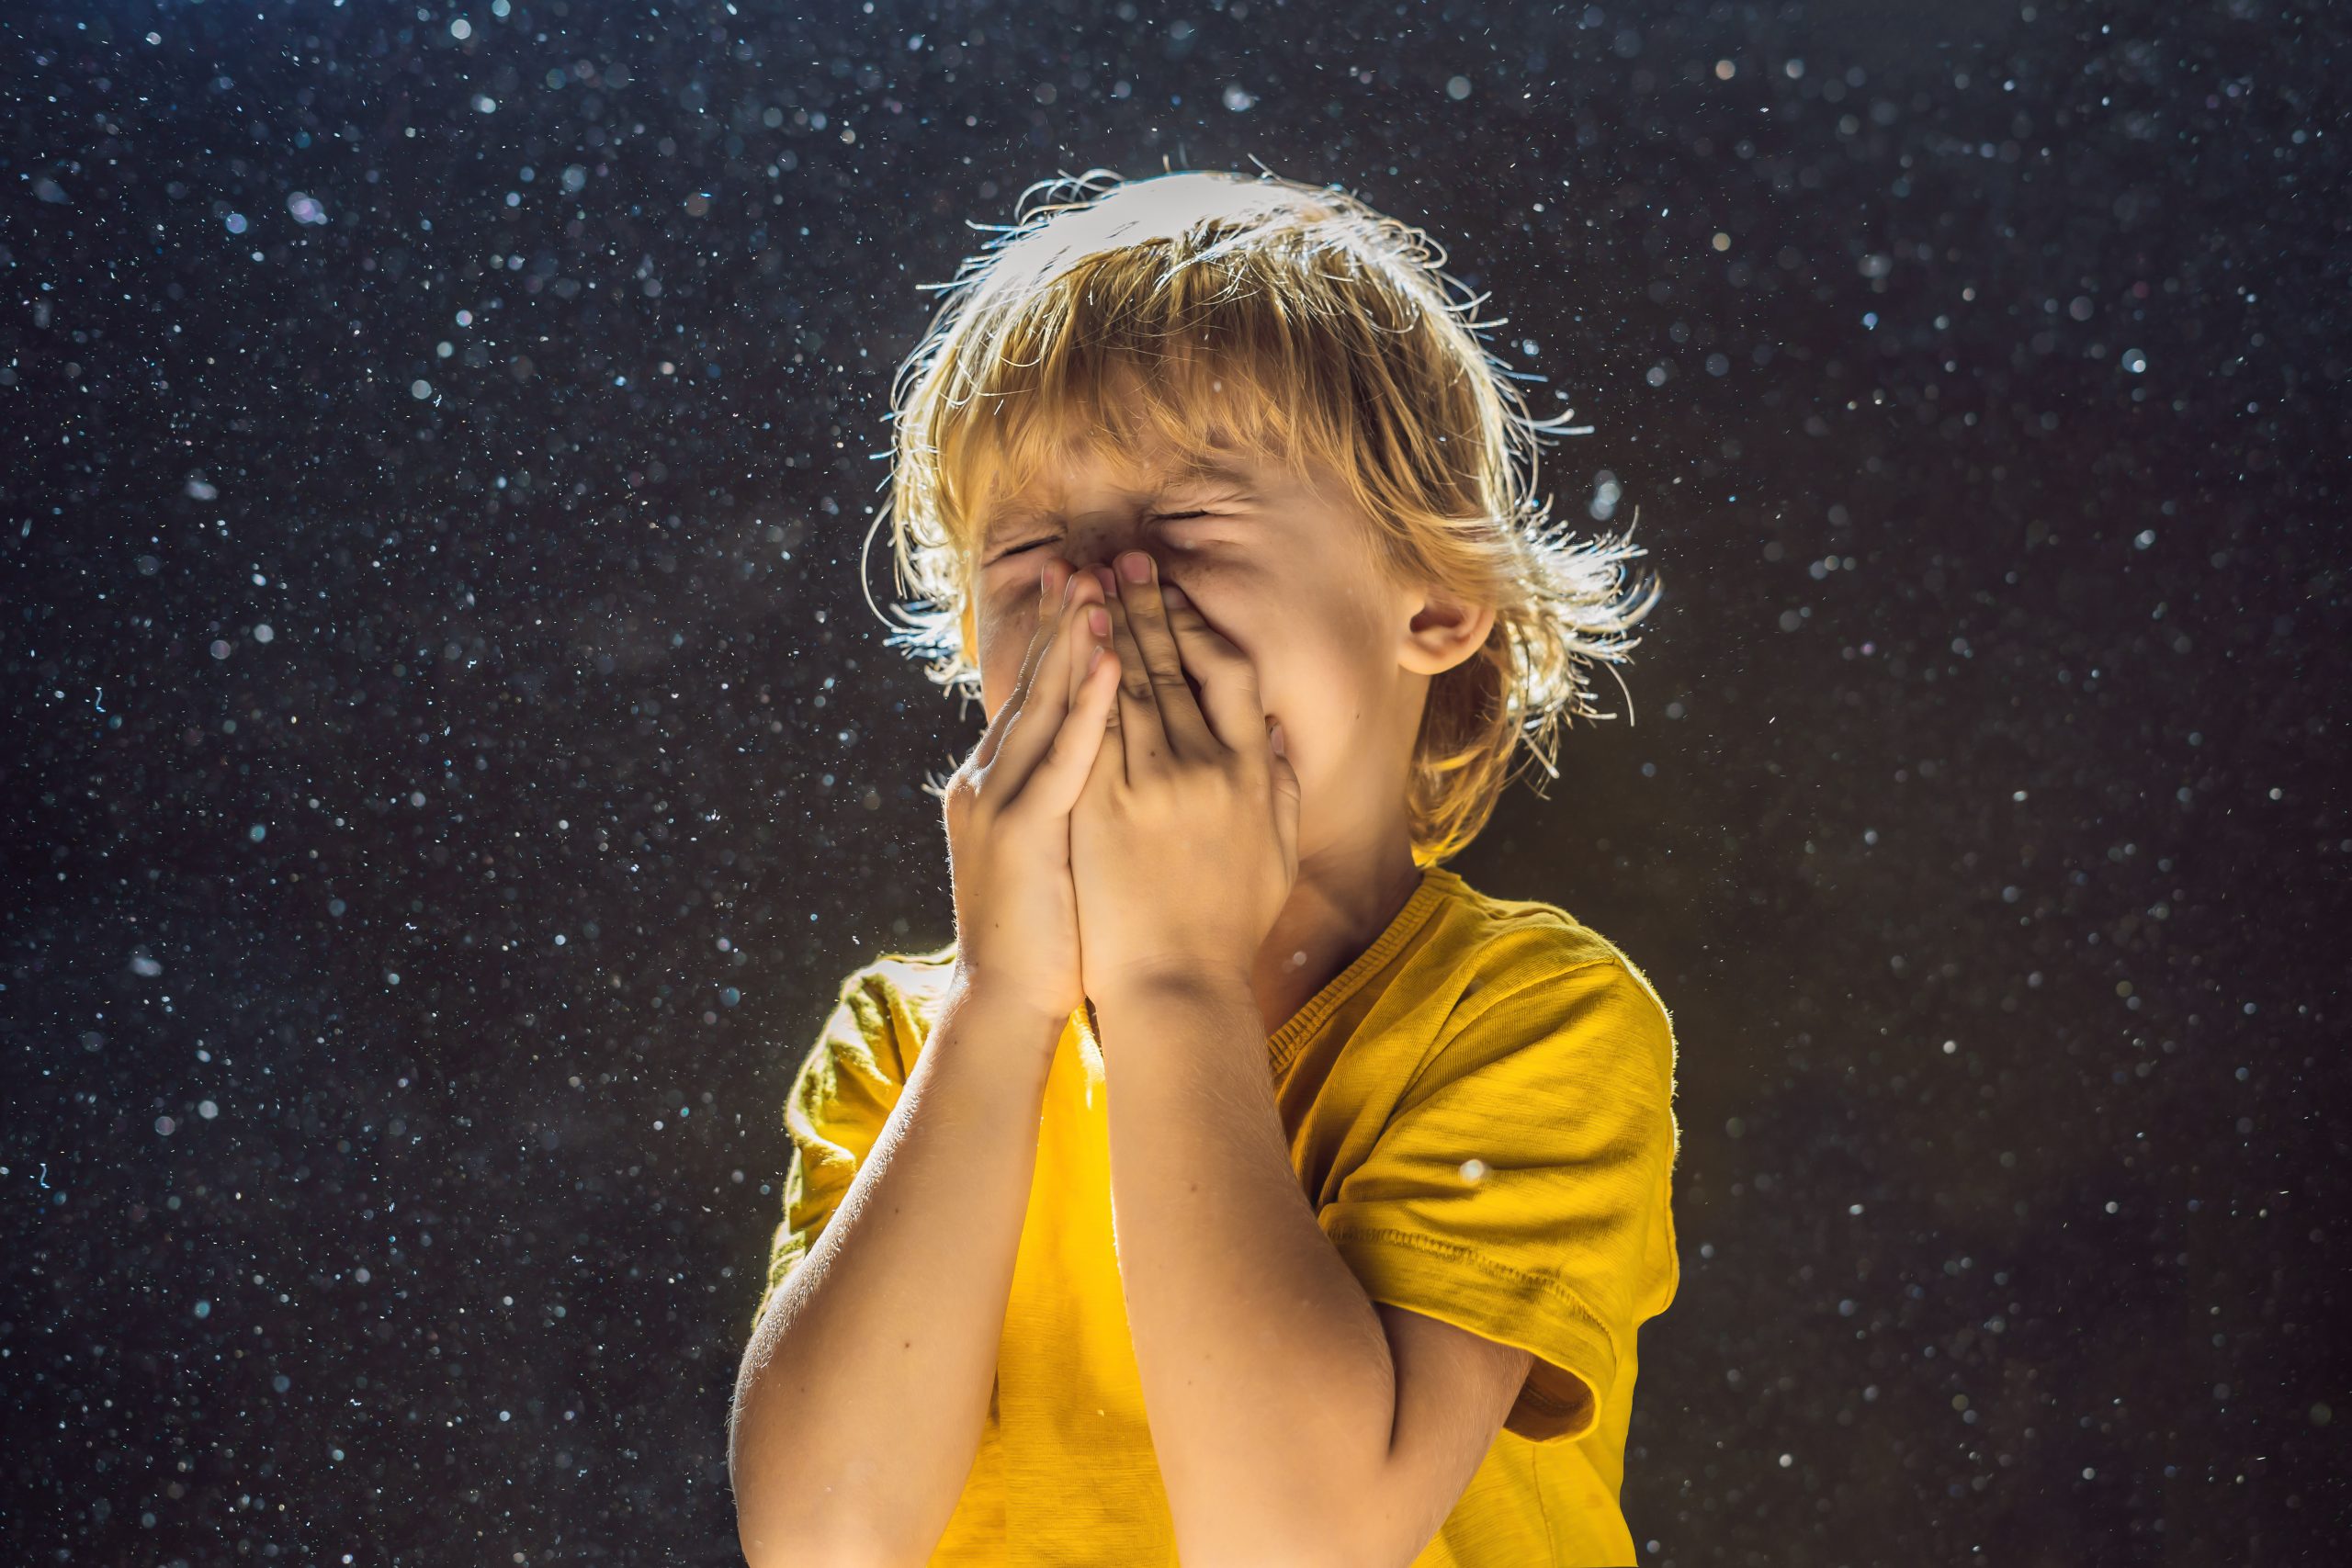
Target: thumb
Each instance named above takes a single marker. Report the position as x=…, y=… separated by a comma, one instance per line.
x=1286, y=795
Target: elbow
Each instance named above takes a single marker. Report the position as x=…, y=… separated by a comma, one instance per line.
x=779, y=1524
x=1326, y=1551
x=1354, y=1529
x=776, y=1542
x=788, y=1516
x=1295, y=1543
x=793, y=1512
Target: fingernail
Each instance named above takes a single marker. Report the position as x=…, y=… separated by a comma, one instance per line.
x=1173, y=594
x=1137, y=565
x=1282, y=742
x=1098, y=620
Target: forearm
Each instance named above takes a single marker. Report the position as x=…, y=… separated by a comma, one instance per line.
x=1265, y=1369
x=865, y=1389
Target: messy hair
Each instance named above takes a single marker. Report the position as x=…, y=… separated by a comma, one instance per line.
x=1265, y=317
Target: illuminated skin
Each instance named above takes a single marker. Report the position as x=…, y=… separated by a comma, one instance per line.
x=1294, y=1419
x=1283, y=568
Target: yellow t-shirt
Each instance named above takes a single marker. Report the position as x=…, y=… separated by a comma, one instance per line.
x=1474, y=1029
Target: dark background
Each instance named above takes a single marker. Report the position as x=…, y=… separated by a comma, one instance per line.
x=454, y=760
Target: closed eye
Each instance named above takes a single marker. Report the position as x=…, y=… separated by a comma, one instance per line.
x=1160, y=517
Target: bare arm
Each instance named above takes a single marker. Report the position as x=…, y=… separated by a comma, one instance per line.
x=1296, y=1421
x=865, y=1389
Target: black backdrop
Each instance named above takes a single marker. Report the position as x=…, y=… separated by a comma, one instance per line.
x=454, y=759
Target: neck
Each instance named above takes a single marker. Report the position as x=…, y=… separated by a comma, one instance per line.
x=1342, y=902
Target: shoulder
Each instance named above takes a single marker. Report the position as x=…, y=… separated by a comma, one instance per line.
x=1527, y=978
x=909, y=980
x=1496, y=947
x=883, y=1008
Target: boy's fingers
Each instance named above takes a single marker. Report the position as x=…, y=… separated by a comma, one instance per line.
x=1070, y=760
x=1137, y=717
x=1228, y=698
x=1045, y=710
x=1151, y=627
x=1050, y=594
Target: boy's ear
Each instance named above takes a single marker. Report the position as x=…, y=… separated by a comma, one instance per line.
x=1443, y=632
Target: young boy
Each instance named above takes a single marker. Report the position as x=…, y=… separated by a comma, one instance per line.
x=1241, y=1182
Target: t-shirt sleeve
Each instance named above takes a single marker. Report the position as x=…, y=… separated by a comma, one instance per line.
x=848, y=1083
x=1520, y=1187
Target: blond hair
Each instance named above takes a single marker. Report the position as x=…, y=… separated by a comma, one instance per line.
x=1266, y=316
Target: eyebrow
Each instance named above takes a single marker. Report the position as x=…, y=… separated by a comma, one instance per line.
x=1206, y=471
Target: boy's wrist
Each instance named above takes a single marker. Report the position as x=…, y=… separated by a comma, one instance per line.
x=1219, y=1003
x=1191, y=987
x=976, y=1010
